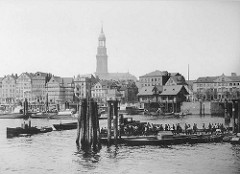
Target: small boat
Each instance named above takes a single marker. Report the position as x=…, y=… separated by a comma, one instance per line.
x=235, y=139
x=43, y=115
x=12, y=116
x=17, y=113
x=133, y=110
x=19, y=131
x=65, y=126
x=68, y=113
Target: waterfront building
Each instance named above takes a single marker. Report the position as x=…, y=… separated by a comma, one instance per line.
x=99, y=91
x=217, y=87
x=55, y=90
x=68, y=85
x=39, y=80
x=129, y=92
x=106, y=90
x=24, y=87
x=173, y=94
x=9, y=89
x=60, y=90
x=82, y=86
x=155, y=78
x=148, y=94
x=102, y=63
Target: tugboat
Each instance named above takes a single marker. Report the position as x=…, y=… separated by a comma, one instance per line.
x=26, y=130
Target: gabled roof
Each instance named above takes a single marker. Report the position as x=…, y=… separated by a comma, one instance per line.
x=175, y=74
x=67, y=80
x=57, y=79
x=149, y=90
x=30, y=75
x=215, y=78
x=179, y=80
x=172, y=90
x=206, y=79
x=155, y=73
x=41, y=73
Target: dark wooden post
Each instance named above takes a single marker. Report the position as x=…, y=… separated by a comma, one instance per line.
x=121, y=123
x=25, y=107
x=79, y=123
x=200, y=106
x=88, y=125
x=233, y=115
x=97, y=122
x=203, y=108
x=109, y=121
x=166, y=104
x=115, y=120
x=94, y=124
x=83, y=122
x=238, y=114
x=173, y=106
x=89, y=119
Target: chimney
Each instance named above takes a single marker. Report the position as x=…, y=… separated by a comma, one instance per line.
x=233, y=74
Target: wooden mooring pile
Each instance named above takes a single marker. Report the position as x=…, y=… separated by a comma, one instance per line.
x=88, y=124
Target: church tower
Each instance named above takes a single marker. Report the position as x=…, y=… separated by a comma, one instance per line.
x=102, y=58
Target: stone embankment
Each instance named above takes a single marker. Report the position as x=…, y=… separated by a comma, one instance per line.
x=194, y=107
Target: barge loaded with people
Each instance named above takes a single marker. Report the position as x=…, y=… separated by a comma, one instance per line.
x=143, y=133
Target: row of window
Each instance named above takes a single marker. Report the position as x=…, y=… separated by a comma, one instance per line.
x=98, y=95
x=150, y=79
x=149, y=84
x=218, y=84
x=219, y=89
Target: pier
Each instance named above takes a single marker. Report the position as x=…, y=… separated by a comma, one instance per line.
x=129, y=131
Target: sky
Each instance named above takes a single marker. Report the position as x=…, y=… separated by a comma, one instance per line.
x=61, y=36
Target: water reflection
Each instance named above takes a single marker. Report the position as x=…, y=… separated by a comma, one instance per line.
x=88, y=154
x=112, y=151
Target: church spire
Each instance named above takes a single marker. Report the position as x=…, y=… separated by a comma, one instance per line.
x=102, y=58
x=102, y=28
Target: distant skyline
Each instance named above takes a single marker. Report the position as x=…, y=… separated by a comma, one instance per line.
x=61, y=36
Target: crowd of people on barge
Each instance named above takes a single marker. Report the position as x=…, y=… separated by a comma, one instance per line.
x=151, y=129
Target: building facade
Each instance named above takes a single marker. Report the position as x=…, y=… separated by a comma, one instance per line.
x=217, y=87
x=155, y=78
x=55, y=90
x=99, y=91
x=24, y=87
x=68, y=85
x=82, y=86
x=39, y=87
x=9, y=89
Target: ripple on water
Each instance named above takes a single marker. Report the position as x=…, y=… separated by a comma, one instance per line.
x=56, y=152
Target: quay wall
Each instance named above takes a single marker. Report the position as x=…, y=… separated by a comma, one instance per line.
x=211, y=108
x=194, y=107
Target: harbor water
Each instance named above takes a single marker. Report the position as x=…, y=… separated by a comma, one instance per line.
x=56, y=152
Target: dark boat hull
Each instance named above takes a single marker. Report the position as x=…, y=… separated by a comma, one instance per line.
x=153, y=140
x=14, y=132
x=65, y=126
